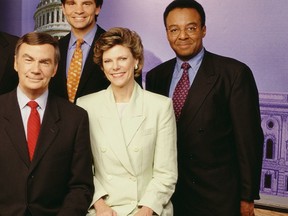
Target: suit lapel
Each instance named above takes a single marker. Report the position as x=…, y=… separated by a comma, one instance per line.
x=204, y=81
x=165, y=81
x=131, y=121
x=110, y=125
x=15, y=128
x=62, y=65
x=133, y=115
x=89, y=64
x=49, y=130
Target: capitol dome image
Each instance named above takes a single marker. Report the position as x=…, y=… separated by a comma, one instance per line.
x=50, y=19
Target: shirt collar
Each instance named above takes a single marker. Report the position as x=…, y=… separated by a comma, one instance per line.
x=88, y=38
x=194, y=62
x=23, y=99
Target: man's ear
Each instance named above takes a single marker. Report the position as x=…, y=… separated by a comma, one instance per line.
x=63, y=9
x=97, y=10
x=15, y=64
x=55, y=70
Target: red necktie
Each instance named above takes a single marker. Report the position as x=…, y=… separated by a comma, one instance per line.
x=33, y=128
x=181, y=90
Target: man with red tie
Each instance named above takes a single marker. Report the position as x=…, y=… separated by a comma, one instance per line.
x=45, y=157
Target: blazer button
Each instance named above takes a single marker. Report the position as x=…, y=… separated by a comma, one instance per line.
x=31, y=178
x=193, y=181
x=201, y=131
x=136, y=149
x=132, y=178
x=103, y=149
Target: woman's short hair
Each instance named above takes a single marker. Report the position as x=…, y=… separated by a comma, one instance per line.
x=120, y=36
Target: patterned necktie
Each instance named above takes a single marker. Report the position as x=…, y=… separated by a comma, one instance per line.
x=74, y=72
x=33, y=128
x=181, y=90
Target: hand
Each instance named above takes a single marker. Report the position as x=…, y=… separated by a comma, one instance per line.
x=144, y=211
x=102, y=209
x=247, y=208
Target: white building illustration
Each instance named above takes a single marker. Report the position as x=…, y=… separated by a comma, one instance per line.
x=274, y=115
x=50, y=19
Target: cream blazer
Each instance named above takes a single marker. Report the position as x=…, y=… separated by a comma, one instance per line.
x=135, y=157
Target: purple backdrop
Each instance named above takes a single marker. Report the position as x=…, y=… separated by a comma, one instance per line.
x=255, y=32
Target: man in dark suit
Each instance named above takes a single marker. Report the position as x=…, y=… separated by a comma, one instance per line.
x=220, y=138
x=8, y=76
x=55, y=177
x=82, y=16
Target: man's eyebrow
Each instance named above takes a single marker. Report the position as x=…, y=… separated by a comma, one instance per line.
x=25, y=55
x=45, y=60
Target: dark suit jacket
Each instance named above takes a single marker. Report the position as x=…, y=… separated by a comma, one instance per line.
x=92, y=79
x=8, y=76
x=59, y=179
x=220, y=138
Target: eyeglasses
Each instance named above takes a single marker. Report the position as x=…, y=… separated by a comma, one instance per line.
x=190, y=30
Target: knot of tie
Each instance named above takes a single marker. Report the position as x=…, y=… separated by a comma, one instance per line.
x=79, y=43
x=32, y=104
x=185, y=66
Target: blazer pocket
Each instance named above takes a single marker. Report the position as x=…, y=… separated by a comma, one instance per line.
x=147, y=132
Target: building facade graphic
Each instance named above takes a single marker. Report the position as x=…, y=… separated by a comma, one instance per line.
x=50, y=19
x=274, y=117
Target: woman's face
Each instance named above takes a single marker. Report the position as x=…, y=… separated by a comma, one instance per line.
x=118, y=65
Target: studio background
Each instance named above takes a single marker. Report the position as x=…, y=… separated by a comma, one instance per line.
x=254, y=32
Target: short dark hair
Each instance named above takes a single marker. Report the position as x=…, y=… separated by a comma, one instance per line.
x=120, y=36
x=39, y=38
x=98, y=2
x=185, y=4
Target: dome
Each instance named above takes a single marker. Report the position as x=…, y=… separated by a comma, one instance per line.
x=50, y=19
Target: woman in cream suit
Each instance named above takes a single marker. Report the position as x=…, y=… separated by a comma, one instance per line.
x=133, y=135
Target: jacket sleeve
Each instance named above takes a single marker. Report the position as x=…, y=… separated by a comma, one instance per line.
x=80, y=188
x=162, y=185
x=245, y=114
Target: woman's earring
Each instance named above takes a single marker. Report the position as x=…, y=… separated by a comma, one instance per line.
x=136, y=67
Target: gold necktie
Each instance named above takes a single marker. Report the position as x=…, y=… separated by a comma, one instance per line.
x=74, y=72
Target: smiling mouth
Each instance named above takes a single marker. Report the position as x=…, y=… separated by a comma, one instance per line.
x=184, y=44
x=79, y=18
x=116, y=75
x=34, y=79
